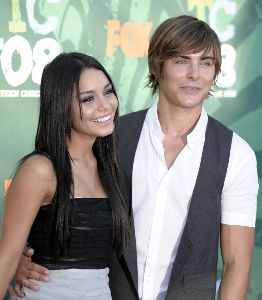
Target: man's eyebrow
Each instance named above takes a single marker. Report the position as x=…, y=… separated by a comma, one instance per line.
x=207, y=57
x=183, y=56
x=202, y=58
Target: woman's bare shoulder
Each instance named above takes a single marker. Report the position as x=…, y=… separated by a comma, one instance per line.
x=38, y=165
x=37, y=172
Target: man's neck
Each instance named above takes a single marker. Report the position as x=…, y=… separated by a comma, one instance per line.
x=177, y=121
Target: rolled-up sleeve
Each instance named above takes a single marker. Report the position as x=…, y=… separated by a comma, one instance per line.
x=239, y=195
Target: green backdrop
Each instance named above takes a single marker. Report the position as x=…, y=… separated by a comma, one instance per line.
x=116, y=32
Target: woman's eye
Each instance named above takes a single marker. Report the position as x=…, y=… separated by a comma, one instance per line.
x=87, y=99
x=109, y=91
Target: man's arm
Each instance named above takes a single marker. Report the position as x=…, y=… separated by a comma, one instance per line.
x=28, y=270
x=237, y=243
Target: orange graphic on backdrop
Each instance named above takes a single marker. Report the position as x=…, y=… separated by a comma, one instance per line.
x=131, y=37
x=7, y=184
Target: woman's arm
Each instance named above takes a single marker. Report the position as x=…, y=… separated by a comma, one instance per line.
x=33, y=186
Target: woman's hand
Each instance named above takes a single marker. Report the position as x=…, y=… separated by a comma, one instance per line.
x=28, y=270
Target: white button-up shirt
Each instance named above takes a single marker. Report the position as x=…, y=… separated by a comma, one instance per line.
x=161, y=198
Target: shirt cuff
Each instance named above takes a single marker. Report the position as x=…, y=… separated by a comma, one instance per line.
x=238, y=219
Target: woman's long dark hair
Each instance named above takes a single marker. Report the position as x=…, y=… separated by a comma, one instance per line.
x=59, y=79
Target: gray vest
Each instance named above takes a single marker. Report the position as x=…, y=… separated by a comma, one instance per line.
x=193, y=276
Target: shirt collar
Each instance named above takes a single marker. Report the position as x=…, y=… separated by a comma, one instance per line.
x=198, y=130
x=156, y=132
x=154, y=124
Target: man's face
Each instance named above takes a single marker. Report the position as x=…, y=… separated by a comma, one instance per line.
x=186, y=79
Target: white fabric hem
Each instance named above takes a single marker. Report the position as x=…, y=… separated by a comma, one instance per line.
x=73, y=284
x=238, y=219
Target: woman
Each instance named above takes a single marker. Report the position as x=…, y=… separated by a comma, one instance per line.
x=66, y=198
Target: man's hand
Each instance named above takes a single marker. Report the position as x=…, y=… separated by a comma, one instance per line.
x=28, y=270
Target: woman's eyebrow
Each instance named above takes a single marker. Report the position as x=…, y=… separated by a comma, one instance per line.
x=92, y=91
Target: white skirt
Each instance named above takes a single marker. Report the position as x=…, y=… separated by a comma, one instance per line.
x=72, y=284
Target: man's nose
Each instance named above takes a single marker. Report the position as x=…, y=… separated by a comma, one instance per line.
x=193, y=71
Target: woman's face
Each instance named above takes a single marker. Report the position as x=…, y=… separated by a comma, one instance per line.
x=98, y=105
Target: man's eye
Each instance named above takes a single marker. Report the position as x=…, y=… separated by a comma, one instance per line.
x=181, y=61
x=207, y=63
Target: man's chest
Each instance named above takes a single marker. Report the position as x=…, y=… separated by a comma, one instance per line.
x=151, y=178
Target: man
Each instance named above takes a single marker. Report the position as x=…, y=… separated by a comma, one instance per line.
x=190, y=179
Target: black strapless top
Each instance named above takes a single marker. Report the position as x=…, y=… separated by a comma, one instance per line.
x=91, y=230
